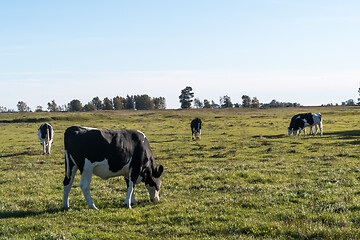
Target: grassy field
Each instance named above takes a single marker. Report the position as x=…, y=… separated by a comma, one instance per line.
x=245, y=178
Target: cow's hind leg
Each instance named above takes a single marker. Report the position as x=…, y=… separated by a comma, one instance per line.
x=68, y=182
x=85, y=183
x=321, y=128
x=316, y=129
x=43, y=143
x=49, y=146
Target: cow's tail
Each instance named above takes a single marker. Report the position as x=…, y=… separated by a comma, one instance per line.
x=47, y=136
x=67, y=165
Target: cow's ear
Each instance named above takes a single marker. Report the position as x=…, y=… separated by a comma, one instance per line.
x=159, y=171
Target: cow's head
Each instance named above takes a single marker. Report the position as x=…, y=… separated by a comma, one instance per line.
x=290, y=131
x=153, y=183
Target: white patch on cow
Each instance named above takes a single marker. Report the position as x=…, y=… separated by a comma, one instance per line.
x=102, y=169
x=85, y=182
x=143, y=135
x=90, y=128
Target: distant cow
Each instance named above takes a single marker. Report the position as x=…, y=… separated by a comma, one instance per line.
x=196, y=128
x=300, y=121
x=46, y=136
x=109, y=153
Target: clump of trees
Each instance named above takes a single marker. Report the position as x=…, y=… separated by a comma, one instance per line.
x=186, y=98
x=276, y=104
x=133, y=102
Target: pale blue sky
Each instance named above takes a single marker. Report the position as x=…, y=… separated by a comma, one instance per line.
x=294, y=51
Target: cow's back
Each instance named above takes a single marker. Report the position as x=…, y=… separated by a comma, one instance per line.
x=196, y=123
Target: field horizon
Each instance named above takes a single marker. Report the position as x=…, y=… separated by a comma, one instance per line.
x=244, y=179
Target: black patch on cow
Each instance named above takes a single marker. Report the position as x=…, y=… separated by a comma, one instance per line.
x=298, y=121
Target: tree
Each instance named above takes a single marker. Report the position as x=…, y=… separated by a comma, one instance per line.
x=186, y=97
x=107, y=104
x=255, y=103
x=75, y=106
x=143, y=102
x=225, y=102
x=214, y=105
x=3, y=109
x=198, y=103
x=118, y=103
x=39, y=109
x=207, y=103
x=97, y=103
x=129, y=103
x=89, y=107
x=349, y=102
x=246, y=101
x=22, y=107
x=52, y=106
x=159, y=103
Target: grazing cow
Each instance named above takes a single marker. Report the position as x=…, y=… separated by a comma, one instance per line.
x=46, y=136
x=300, y=121
x=109, y=153
x=196, y=128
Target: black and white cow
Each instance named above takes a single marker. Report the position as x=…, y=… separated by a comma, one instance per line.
x=196, y=128
x=300, y=121
x=109, y=153
x=46, y=136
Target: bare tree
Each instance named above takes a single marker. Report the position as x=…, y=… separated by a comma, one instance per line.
x=22, y=107
x=52, y=106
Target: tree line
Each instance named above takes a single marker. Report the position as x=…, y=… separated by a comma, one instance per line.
x=145, y=102
x=186, y=100
x=131, y=102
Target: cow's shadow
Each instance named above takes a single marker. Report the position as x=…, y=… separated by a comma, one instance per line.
x=271, y=136
x=351, y=134
x=24, y=214
x=20, y=154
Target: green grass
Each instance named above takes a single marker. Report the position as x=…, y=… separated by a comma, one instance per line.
x=244, y=179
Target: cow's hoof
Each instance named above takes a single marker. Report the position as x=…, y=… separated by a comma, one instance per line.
x=65, y=209
x=127, y=205
x=93, y=207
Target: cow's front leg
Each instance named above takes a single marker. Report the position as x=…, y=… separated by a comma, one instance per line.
x=132, y=197
x=299, y=132
x=85, y=183
x=304, y=129
x=311, y=130
x=129, y=194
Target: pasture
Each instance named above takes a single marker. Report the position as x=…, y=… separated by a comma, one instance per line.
x=245, y=179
